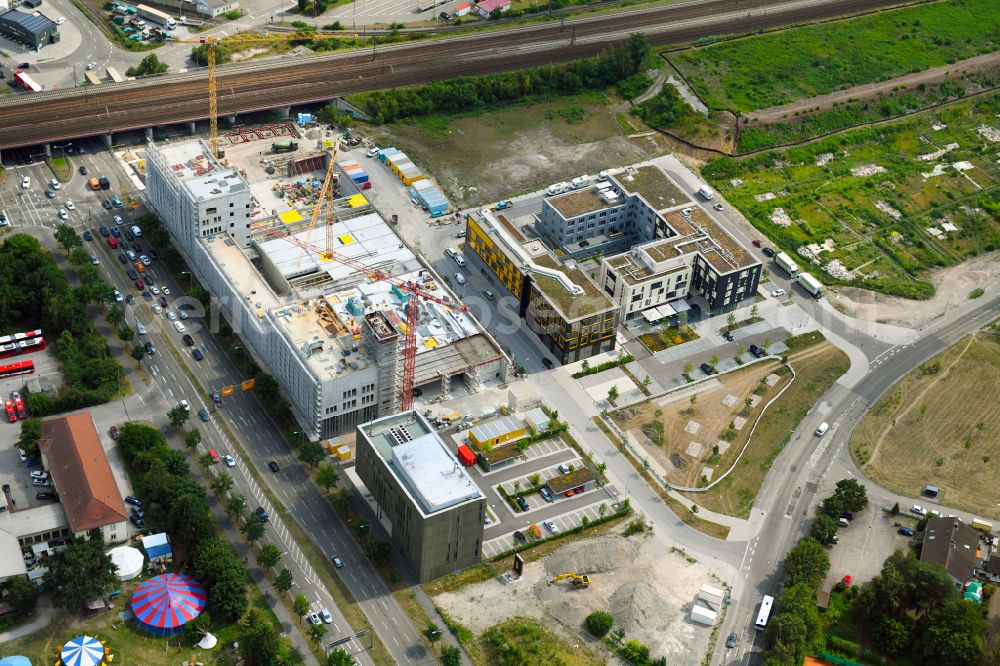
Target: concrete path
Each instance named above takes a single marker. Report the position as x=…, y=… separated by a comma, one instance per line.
x=43, y=616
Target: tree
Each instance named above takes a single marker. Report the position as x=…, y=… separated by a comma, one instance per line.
x=192, y=438
x=327, y=477
x=189, y=520
x=599, y=623
x=952, y=634
x=378, y=551
x=311, y=453
x=766, y=343
x=67, y=237
x=807, y=562
x=585, y=366
x=714, y=361
x=253, y=528
x=343, y=500
x=800, y=600
x=268, y=556
x=432, y=633
x=222, y=484
x=740, y=350
x=688, y=367
x=235, y=505
x=317, y=632
x=178, y=416
x=754, y=311
x=613, y=393
x=149, y=65
x=853, y=494
x=300, y=605
x=833, y=506
x=893, y=634
x=31, y=431
x=284, y=581
x=339, y=658
x=138, y=351
x=824, y=529
x=125, y=333
x=785, y=638
x=81, y=572
x=451, y=656
x=259, y=642
x=731, y=321
x=199, y=626
x=22, y=595
x=115, y=315
x=267, y=387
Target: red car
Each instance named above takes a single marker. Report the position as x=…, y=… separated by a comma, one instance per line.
x=115, y=434
x=11, y=414
x=140, y=285
x=756, y=242
x=112, y=243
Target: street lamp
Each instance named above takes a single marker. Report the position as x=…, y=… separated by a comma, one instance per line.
x=190, y=278
x=299, y=432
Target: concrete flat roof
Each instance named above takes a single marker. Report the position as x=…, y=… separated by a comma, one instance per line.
x=421, y=462
x=581, y=202
x=654, y=186
x=242, y=274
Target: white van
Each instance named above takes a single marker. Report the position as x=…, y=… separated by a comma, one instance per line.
x=179, y=326
x=558, y=188
x=136, y=230
x=460, y=261
x=451, y=252
x=821, y=430
x=459, y=278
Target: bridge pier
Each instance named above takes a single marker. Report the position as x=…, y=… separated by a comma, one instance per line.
x=149, y=135
x=109, y=140
x=48, y=149
x=231, y=119
x=192, y=127
x=284, y=112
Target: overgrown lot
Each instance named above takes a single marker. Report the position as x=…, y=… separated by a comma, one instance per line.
x=878, y=207
x=760, y=72
x=940, y=425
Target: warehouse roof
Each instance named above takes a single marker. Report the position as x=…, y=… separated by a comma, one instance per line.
x=30, y=22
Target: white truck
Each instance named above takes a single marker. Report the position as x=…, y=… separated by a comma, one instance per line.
x=811, y=284
x=783, y=260
x=705, y=192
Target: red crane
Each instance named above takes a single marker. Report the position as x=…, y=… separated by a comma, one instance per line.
x=412, y=288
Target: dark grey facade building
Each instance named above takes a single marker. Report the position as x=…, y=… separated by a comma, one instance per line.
x=430, y=506
x=35, y=31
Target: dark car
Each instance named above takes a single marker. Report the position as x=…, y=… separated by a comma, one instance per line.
x=128, y=234
x=197, y=354
x=520, y=538
x=130, y=299
x=88, y=236
x=273, y=466
x=106, y=205
x=149, y=348
x=203, y=414
x=115, y=432
x=523, y=503
x=163, y=301
x=150, y=278
x=445, y=16
x=138, y=513
x=146, y=296
x=337, y=562
x=152, y=253
x=547, y=362
x=768, y=252
x=756, y=351
x=707, y=369
x=122, y=258
x=132, y=275
x=83, y=171
x=134, y=501
x=104, y=231
x=188, y=340
x=137, y=521
x=546, y=494
x=728, y=335
x=45, y=496
x=262, y=514
x=905, y=531
x=116, y=232
x=731, y=641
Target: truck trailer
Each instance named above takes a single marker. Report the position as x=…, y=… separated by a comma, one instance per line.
x=783, y=260
x=811, y=284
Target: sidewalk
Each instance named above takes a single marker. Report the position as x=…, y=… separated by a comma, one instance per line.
x=43, y=615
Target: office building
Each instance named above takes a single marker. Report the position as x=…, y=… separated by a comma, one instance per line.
x=558, y=302
x=426, y=501
x=330, y=336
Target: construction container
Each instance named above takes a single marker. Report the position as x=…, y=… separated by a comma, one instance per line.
x=702, y=615
x=712, y=596
x=466, y=456
x=343, y=452
x=386, y=153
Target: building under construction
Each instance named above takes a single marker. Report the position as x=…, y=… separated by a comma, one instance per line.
x=332, y=337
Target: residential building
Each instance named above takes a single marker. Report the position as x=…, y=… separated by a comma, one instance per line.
x=558, y=302
x=658, y=246
x=215, y=8
x=33, y=31
x=424, y=498
x=487, y=7
x=332, y=338
x=73, y=455
x=953, y=545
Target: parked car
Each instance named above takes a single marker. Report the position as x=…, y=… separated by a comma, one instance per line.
x=546, y=494
x=262, y=514
x=728, y=335
x=918, y=510
x=229, y=460
x=45, y=496
x=40, y=482
x=757, y=351
x=273, y=466
x=114, y=432
x=564, y=469
x=777, y=293
x=768, y=252
x=551, y=527
x=905, y=531
x=314, y=618
x=707, y=369
x=36, y=474
x=134, y=501
x=523, y=503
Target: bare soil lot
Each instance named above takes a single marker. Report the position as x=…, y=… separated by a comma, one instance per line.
x=940, y=425
x=649, y=593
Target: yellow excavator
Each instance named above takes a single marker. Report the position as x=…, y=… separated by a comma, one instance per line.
x=580, y=581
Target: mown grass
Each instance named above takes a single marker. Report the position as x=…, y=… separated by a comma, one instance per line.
x=769, y=70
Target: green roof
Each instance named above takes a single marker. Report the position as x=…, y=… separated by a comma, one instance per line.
x=571, y=306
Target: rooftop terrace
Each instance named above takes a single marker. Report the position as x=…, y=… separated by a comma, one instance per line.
x=202, y=174
x=654, y=186
x=580, y=202
x=571, y=306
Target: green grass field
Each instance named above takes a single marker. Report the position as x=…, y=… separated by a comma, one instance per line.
x=879, y=222
x=769, y=70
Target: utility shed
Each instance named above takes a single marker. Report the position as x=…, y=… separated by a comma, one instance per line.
x=702, y=615
x=497, y=431
x=578, y=478
x=537, y=419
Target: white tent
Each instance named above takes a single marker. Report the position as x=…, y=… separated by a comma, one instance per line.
x=127, y=560
x=208, y=642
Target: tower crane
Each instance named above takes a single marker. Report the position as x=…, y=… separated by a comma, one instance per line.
x=211, y=43
x=414, y=290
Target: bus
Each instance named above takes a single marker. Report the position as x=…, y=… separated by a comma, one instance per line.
x=15, y=369
x=8, y=349
x=765, y=612
x=981, y=525
x=20, y=337
x=26, y=82
x=29, y=346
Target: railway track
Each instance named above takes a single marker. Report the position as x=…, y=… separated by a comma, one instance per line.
x=267, y=84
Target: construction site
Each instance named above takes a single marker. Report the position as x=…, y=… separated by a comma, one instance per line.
x=624, y=576
x=328, y=297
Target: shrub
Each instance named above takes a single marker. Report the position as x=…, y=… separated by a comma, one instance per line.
x=599, y=623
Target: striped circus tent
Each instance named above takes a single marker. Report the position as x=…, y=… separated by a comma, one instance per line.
x=164, y=604
x=83, y=651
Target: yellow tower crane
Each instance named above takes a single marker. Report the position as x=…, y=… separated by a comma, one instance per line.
x=211, y=43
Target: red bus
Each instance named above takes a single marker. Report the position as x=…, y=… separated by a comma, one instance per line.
x=33, y=345
x=8, y=349
x=27, y=335
x=19, y=368
x=26, y=82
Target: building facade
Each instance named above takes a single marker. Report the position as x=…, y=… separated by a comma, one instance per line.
x=572, y=318
x=34, y=31
x=426, y=501
x=215, y=8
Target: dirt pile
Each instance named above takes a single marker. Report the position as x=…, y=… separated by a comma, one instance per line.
x=598, y=555
x=634, y=605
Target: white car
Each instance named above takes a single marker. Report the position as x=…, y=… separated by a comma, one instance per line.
x=130, y=254
x=54, y=184
x=230, y=462
x=373, y=151
x=155, y=290
x=551, y=527
x=327, y=618
x=63, y=215
x=717, y=206
x=777, y=293
x=314, y=618
x=916, y=508
x=118, y=296
x=70, y=205
x=171, y=315
x=39, y=475
x=140, y=328
x=145, y=260
x=94, y=260
x=26, y=182
x=91, y=65
x=186, y=405
x=118, y=219
x=166, y=290
x=60, y=20
x=157, y=309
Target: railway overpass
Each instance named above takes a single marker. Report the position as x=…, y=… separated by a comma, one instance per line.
x=40, y=118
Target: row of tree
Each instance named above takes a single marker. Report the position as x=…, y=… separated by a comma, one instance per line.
x=460, y=95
